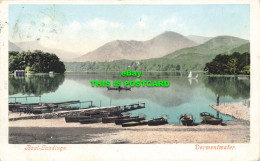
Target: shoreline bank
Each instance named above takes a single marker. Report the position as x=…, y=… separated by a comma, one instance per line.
x=57, y=131
x=238, y=110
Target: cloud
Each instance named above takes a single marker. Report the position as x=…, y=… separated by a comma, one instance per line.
x=46, y=20
x=143, y=22
x=93, y=32
x=74, y=26
x=169, y=22
x=98, y=23
x=49, y=21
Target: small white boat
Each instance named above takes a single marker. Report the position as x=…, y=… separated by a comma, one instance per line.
x=190, y=76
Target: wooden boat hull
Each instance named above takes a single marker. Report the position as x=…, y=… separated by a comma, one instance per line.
x=75, y=118
x=186, y=120
x=112, y=119
x=210, y=119
x=130, y=119
x=129, y=124
x=109, y=119
x=143, y=122
x=90, y=121
x=116, y=88
x=158, y=121
x=215, y=121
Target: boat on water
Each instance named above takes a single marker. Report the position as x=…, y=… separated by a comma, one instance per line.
x=130, y=119
x=208, y=118
x=186, y=119
x=119, y=88
x=190, y=76
x=90, y=120
x=158, y=121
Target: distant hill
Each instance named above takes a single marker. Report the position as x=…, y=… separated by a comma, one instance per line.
x=241, y=49
x=13, y=47
x=196, y=57
x=191, y=58
x=35, y=45
x=199, y=39
x=159, y=46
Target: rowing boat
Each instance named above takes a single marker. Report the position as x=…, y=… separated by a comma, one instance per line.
x=158, y=121
x=208, y=118
x=119, y=88
x=186, y=119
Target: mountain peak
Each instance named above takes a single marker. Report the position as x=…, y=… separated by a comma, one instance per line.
x=158, y=46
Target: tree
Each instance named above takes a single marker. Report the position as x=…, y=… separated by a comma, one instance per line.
x=235, y=63
x=36, y=62
x=178, y=67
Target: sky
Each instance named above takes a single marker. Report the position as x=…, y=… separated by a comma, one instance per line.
x=83, y=28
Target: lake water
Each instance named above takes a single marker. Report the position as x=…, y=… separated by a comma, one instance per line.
x=182, y=96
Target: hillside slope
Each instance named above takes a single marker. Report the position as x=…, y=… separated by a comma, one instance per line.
x=35, y=45
x=13, y=47
x=201, y=54
x=192, y=58
x=159, y=46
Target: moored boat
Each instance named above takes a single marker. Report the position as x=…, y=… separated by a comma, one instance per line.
x=119, y=88
x=208, y=118
x=186, y=119
x=75, y=118
x=130, y=119
x=128, y=124
x=90, y=120
x=143, y=122
x=158, y=121
x=111, y=119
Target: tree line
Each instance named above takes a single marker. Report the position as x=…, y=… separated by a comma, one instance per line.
x=35, y=62
x=119, y=65
x=234, y=64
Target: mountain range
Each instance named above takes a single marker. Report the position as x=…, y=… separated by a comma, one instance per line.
x=162, y=51
x=199, y=39
x=196, y=57
x=156, y=47
x=190, y=58
x=35, y=45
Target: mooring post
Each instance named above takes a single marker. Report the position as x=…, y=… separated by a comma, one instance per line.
x=217, y=100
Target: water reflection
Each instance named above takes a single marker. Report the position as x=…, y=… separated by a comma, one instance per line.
x=229, y=86
x=180, y=97
x=181, y=89
x=35, y=84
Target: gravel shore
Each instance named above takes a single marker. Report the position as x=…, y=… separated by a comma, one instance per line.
x=56, y=131
x=239, y=110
